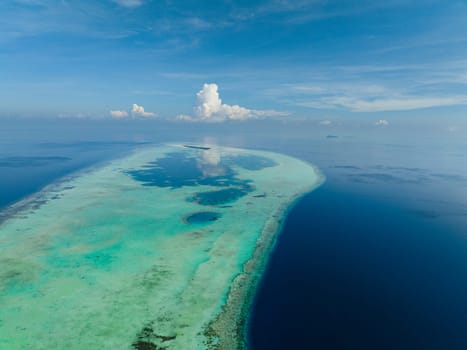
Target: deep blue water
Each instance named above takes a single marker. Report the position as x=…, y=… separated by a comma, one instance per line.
x=353, y=271
x=377, y=257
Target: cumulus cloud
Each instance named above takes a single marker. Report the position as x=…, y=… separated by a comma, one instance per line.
x=118, y=114
x=138, y=111
x=135, y=112
x=382, y=122
x=209, y=107
x=129, y=3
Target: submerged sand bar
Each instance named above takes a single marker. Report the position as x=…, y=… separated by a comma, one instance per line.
x=158, y=250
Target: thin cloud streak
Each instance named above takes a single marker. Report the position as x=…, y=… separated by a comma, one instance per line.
x=374, y=88
x=383, y=105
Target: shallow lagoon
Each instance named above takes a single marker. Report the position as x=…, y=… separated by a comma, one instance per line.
x=129, y=268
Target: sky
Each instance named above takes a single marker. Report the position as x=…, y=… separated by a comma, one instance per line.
x=219, y=60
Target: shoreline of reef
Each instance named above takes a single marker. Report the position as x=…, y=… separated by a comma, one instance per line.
x=228, y=331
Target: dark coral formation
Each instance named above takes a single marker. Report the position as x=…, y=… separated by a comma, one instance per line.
x=202, y=217
x=147, y=339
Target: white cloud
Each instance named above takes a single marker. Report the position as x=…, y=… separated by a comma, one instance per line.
x=135, y=111
x=382, y=122
x=209, y=107
x=129, y=3
x=138, y=111
x=325, y=122
x=118, y=114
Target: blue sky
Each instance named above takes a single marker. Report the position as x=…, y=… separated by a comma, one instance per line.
x=281, y=59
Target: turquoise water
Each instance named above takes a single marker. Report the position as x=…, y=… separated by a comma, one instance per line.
x=121, y=256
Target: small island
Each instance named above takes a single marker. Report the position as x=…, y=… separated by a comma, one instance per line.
x=162, y=249
x=197, y=147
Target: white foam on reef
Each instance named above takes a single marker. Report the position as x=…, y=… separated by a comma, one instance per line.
x=107, y=263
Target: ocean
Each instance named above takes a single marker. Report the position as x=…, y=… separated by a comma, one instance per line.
x=374, y=258
x=353, y=271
